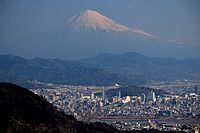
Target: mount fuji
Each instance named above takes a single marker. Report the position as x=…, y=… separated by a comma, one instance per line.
x=89, y=33
x=93, y=20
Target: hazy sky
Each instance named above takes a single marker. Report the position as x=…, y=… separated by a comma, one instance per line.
x=177, y=20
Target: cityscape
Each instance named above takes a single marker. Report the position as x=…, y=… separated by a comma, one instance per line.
x=172, y=112
x=99, y=66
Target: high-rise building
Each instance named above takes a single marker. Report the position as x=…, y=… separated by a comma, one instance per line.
x=79, y=95
x=151, y=96
x=92, y=96
x=103, y=94
x=119, y=96
x=143, y=98
x=196, y=90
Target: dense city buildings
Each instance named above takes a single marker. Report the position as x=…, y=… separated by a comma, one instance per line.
x=174, y=111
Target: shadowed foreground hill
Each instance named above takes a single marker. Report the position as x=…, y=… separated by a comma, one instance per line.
x=25, y=112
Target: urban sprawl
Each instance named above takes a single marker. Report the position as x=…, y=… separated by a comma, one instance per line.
x=178, y=111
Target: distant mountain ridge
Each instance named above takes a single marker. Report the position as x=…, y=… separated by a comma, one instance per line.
x=104, y=69
x=147, y=68
x=15, y=69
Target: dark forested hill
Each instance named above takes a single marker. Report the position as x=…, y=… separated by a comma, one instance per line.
x=104, y=69
x=16, y=69
x=25, y=112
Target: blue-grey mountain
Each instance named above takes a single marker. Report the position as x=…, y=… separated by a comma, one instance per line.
x=104, y=69
x=147, y=68
x=19, y=70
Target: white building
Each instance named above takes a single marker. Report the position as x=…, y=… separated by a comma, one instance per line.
x=151, y=97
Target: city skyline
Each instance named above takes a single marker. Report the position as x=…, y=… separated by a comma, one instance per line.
x=101, y=66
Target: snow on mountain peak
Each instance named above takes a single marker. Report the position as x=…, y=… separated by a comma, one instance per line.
x=93, y=20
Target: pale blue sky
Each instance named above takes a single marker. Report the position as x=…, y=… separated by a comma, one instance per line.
x=177, y=20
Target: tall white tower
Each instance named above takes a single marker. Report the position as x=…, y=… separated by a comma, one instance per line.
x=103, y=94
x=143, y=98
x=92, y=96
x=119, y=96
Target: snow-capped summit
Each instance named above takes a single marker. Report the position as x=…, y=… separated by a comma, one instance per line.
x=93, y=20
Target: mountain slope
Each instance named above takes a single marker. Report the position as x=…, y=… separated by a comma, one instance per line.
x=147, y=68
x=23, y=111
x=93, y=20
x=16, y=69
